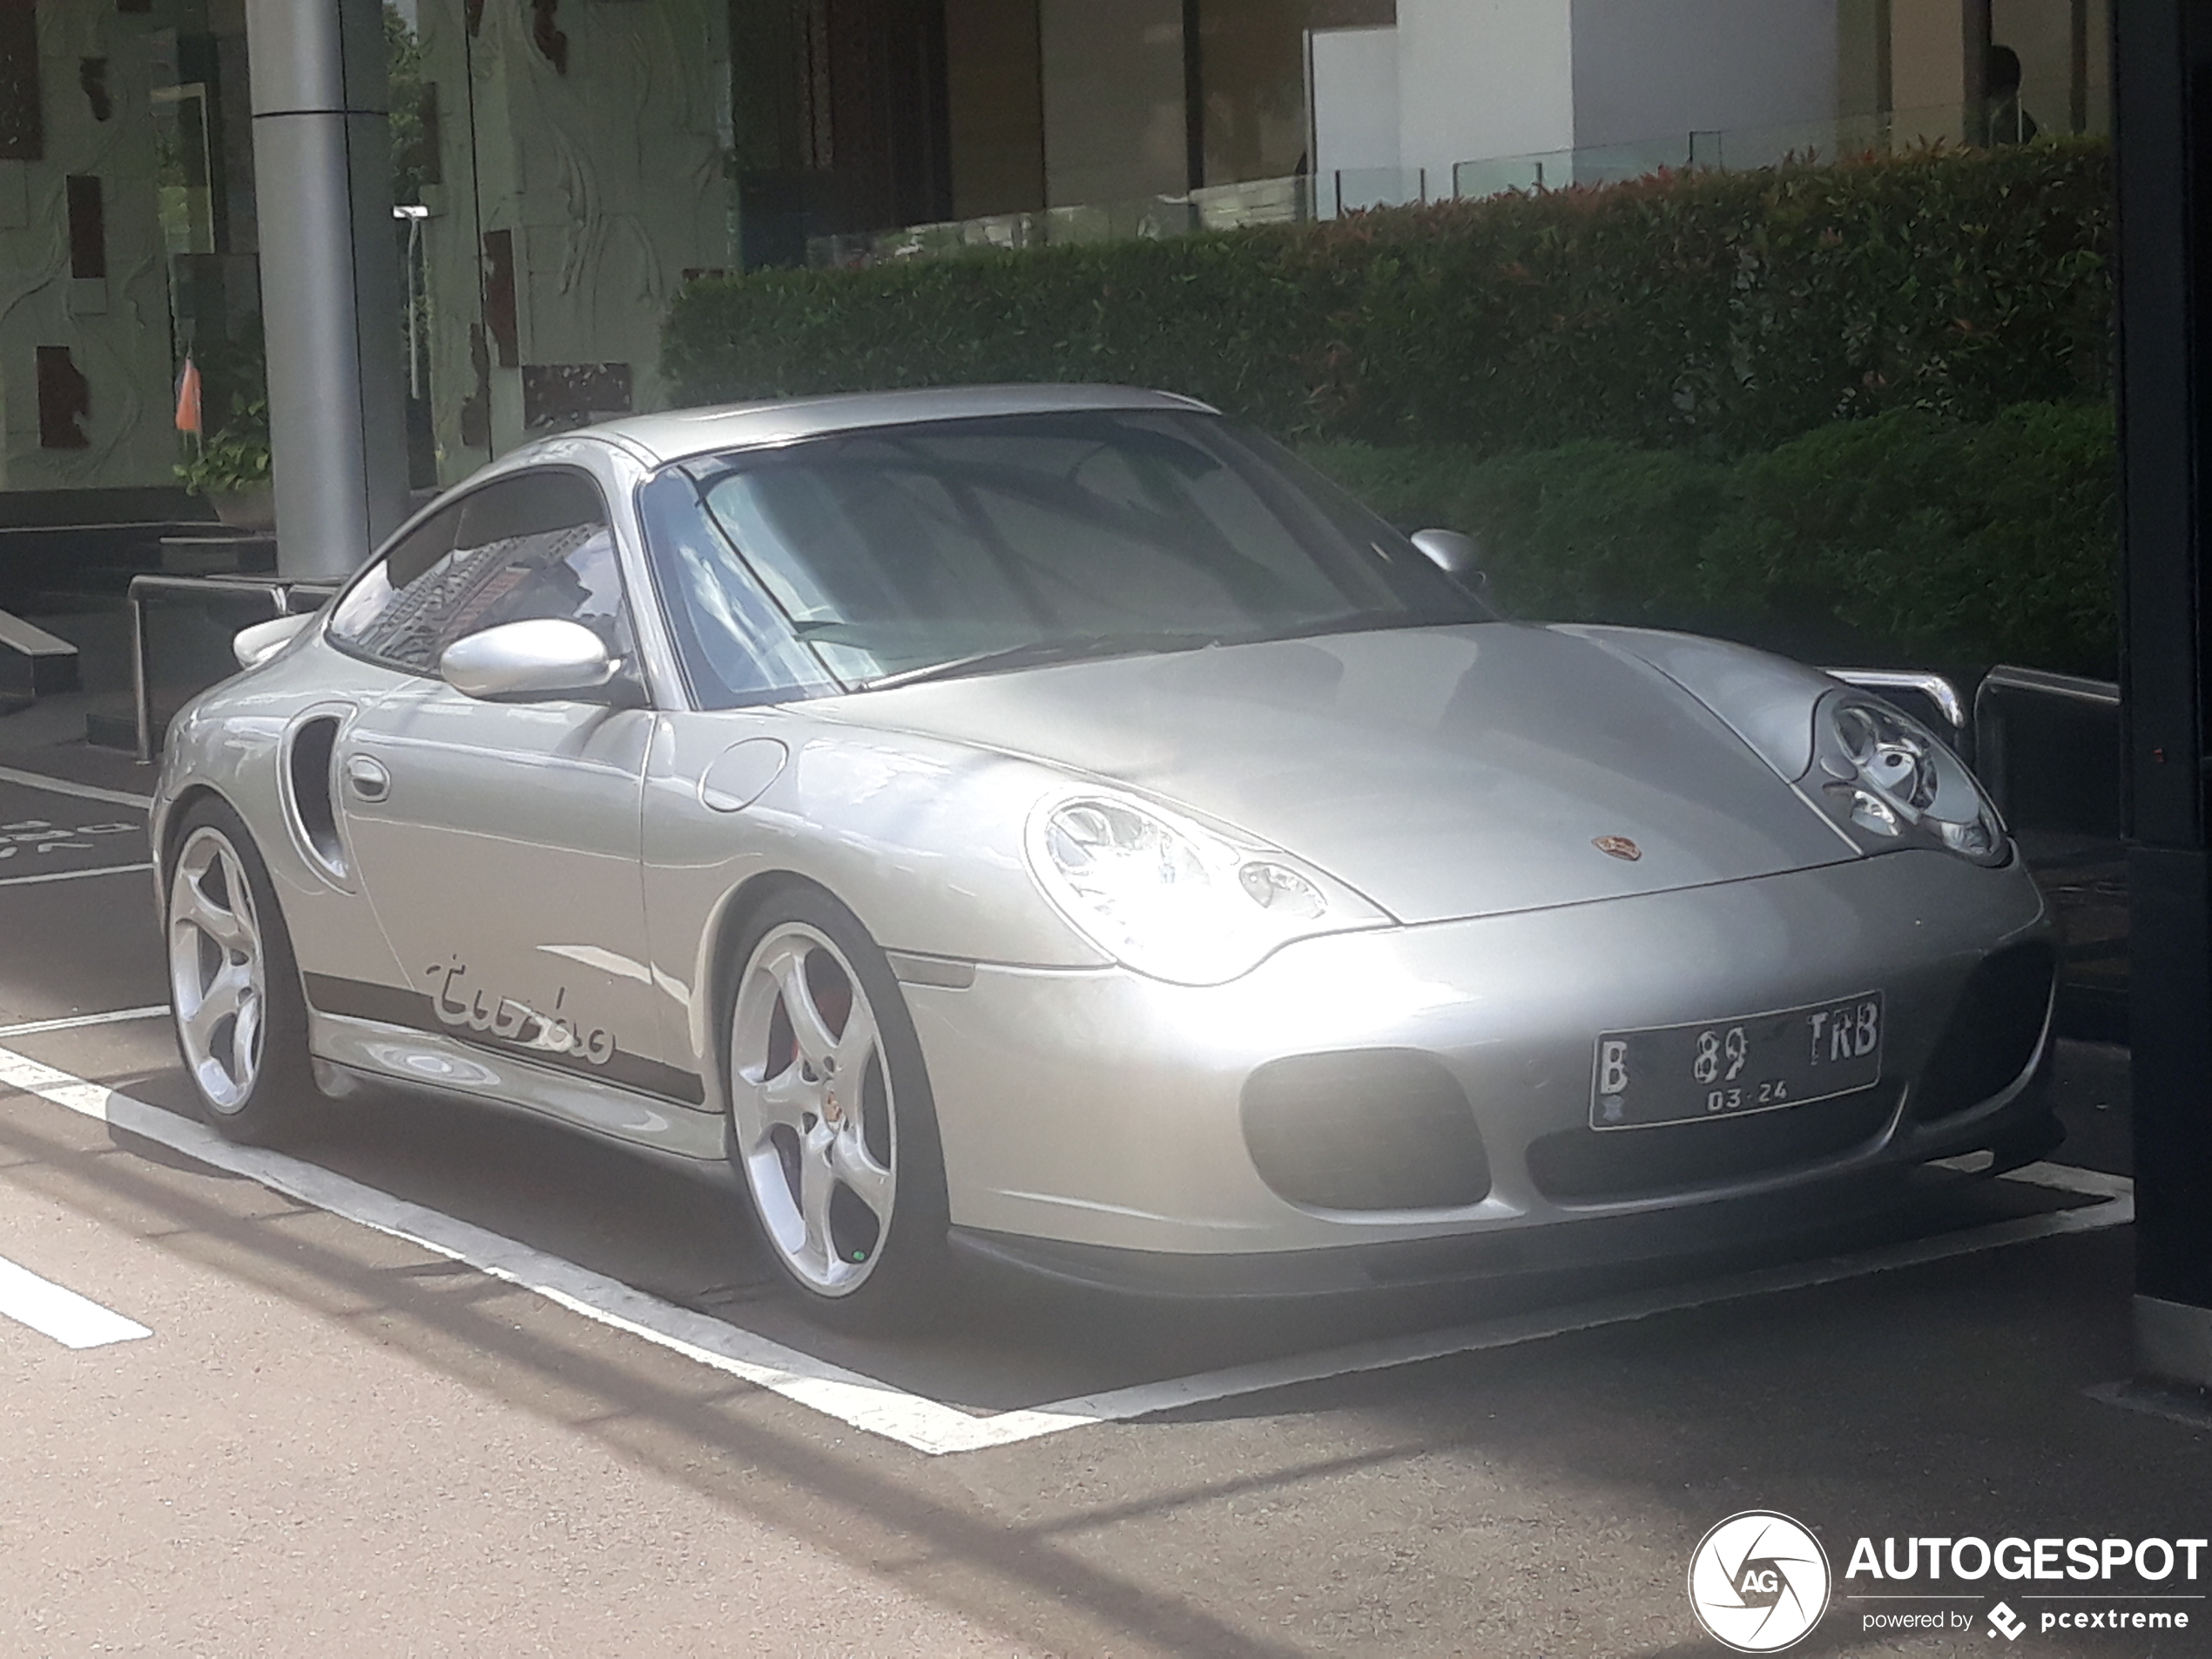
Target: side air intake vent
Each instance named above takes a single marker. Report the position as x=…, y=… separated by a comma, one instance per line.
x=313, y=746
x=1372, y=1129
x=1993, y=1033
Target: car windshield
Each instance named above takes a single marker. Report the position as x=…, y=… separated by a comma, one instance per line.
x=958, y=546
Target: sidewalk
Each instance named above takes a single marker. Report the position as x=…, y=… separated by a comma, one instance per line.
x=48, y=738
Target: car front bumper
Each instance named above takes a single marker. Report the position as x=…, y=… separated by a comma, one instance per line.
x=1095, y=1111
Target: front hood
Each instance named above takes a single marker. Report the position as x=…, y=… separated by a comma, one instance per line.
x=1444, y=771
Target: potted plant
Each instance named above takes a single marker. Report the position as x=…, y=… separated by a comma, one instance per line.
x=227, y=463
x=230, y=468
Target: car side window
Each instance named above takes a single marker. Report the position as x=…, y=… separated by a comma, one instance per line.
x=531, y=544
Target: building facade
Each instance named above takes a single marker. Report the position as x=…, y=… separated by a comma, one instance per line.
x=1446, y=97
x=562, y=167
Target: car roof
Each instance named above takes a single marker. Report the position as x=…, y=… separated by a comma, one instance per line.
x=681, y=432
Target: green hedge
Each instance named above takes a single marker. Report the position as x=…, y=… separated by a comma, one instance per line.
x=1722, y=311
x=1908, y=537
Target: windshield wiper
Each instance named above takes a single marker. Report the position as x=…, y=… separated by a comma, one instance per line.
x=1352, y=622
x=1038, y=652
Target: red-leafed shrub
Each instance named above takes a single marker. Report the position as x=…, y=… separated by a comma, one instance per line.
x=1722, y=312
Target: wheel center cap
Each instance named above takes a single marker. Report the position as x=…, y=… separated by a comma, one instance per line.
x=833, y=1114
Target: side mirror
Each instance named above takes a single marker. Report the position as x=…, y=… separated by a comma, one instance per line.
x=1455, y=553
x=546, y=658
x=255, y=646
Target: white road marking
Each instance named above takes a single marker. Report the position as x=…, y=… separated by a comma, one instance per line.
x=83, y=791
x=2115, y=1208
x=860, y=1402
x=928, y=1426
x=70, y=875
x=73, y=1320
x=75, y=1021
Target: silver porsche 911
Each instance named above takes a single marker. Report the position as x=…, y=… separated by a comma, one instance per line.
x=1052, y=823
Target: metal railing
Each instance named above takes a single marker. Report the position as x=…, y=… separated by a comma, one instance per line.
x=2051, y=758
x=2075, y=725
x=1931, y=696
x=209, y=611
x=1337, y=191
x=2046, y=746
x=1215, y=207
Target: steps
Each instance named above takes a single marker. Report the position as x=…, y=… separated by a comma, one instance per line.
x=34, y=662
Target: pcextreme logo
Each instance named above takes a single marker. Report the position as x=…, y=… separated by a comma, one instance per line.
x=1758, y=1582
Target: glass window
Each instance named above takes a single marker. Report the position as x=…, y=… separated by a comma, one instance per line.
x=532, y=544
x=734, y=641
x=906, y=547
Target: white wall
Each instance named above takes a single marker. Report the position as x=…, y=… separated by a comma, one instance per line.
x=1353, y=96
x=1485, y=77
x=1114, y=126
x=1927, y=69
x=1660, y=69
x=2041, y=32
x=996, y=118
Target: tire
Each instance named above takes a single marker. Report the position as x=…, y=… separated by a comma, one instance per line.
x=234, y=995
x=833, y=1130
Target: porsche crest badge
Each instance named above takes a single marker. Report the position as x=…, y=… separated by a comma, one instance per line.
x=1619, y=847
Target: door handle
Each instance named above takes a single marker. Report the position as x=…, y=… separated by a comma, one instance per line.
x=366, y=779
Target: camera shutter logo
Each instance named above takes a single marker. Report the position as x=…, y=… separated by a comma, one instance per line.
x=1760, y=1582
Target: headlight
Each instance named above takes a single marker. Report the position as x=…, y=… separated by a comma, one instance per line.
x=1887, y=778
x=1173, y=899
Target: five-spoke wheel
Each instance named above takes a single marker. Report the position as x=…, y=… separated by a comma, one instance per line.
x=218, y=974
x=240, y=1020
x=831, y=1123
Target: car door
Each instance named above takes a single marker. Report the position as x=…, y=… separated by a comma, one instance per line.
x=498, y=843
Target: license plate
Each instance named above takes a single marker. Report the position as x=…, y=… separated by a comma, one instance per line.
x=1759, y=1063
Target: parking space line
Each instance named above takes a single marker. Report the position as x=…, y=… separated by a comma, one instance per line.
x=70, y=875
x=73, y=1320
x=929, y=1425
x=860, y=1402
x=83, y=791
x=78, y=1022
x=2116, y=1207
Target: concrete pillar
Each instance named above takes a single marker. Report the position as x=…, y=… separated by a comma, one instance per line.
x=2163, y=61
x=330, y=279
x=1928, y=70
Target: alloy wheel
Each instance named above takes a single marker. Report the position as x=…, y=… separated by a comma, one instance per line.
x=217, y=969
x=811, y=1108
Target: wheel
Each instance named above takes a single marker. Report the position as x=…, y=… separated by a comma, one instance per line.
x=831, y=1127
x=241, y=1016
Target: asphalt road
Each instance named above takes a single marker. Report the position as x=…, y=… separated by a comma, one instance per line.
x=436, y=1380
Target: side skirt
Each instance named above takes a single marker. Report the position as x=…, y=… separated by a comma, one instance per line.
x=401, y=1056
